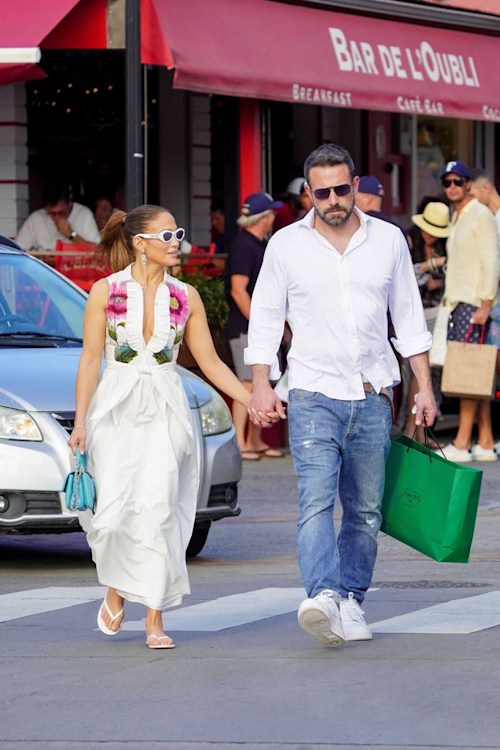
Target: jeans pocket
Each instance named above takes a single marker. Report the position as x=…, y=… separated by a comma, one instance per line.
x=299, y=396
x=386, y=399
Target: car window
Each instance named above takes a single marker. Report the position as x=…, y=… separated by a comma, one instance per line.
x=34, y=298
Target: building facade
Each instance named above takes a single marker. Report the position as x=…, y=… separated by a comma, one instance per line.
x=235, y=94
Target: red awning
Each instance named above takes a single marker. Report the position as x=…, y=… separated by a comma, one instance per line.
x=269, y=50
x=84, y=27
x=481, y=6
x=26, y=25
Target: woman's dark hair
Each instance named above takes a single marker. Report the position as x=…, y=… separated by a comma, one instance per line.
x=424, y=202
x=329, y=155
x=116, y=246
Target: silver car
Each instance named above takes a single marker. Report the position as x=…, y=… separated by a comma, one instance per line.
x=41, y=325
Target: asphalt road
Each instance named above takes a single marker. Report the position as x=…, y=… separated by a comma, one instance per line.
x=243, y=675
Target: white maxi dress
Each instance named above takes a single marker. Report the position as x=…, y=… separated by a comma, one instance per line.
x=141, y=449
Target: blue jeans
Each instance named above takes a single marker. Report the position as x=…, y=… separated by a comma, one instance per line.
x=338, y=446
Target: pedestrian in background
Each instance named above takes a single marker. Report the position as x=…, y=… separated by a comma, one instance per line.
x=427, y=243
x=61, y=218
x=103, y=208
x=484, y=190
x=291, y=209
x=334, y=275
x=370, y=196
x=135, y=420
x=305, y=201
x=243, y=265
x=471, y=289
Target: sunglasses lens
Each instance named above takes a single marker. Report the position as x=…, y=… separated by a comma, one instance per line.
x=458, y=182
x=168, y=235
x=321, y=194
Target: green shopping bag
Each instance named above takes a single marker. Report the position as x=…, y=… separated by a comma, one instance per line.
x=430, y=503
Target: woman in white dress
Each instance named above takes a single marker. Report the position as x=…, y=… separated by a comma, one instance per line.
x=135, y=420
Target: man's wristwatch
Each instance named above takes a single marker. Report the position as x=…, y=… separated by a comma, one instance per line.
x=72, y=235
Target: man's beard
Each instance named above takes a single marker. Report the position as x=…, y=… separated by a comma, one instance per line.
x=331, y=216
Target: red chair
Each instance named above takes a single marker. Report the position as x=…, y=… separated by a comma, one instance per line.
x=80, y=264
x=202, y=261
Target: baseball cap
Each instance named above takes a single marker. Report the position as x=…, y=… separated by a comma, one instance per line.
x=295, y=186
x=370, y=184
x=257, y=203
x=456, y=167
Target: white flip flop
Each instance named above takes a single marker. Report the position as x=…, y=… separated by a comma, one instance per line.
x=100, y=621
x=157, y=642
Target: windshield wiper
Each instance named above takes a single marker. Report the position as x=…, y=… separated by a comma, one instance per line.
x=39, y=335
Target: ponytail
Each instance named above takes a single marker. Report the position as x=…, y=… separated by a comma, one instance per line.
x=116, y=247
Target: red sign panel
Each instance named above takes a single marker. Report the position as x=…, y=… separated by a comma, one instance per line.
x=269, y=50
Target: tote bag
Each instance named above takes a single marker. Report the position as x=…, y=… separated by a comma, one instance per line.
x=470, y=369
x=430, y=503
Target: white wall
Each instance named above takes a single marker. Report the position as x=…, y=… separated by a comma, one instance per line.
x=13, y=159
x=185, y=169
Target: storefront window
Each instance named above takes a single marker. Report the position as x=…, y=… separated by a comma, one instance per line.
x=440, y=140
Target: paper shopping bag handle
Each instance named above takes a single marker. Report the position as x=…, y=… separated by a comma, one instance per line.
x=428, y=433
x=470, y=330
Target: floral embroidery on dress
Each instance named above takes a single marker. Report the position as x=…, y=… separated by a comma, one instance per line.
x=116, y=313
x=169, y=327
x=179, y=308
x=179, y=313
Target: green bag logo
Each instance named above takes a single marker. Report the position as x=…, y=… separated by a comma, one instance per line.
x=410, y=498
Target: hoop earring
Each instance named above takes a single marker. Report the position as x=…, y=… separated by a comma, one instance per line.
x=144, y=259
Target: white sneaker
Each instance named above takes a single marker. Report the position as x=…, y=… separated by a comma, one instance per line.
x=458, y=456
x=483, y=454
x=320, y=617
x=353, y=622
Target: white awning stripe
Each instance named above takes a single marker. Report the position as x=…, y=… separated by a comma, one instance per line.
x=14, y=55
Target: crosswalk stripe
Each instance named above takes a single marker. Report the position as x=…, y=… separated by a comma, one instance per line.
x=230, y=611
x=460, y=617
x=37, y=601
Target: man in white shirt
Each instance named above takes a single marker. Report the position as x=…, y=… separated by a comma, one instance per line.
x=59, y=219
x=333, y=276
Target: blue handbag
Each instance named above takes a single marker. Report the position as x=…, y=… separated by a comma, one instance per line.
x=79, y=487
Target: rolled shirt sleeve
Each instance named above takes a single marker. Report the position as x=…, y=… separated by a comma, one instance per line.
x=406, y=309
x=487, y=246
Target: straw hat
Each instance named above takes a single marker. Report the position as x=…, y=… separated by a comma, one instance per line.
x=435, y=220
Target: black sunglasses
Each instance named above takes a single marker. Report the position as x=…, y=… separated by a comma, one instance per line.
x=321, y=194
x=457, y=181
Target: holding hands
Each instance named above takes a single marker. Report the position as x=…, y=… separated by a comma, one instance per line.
x=265, y=406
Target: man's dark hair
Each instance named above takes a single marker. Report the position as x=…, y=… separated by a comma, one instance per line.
x=53, y=192
x=329, y=155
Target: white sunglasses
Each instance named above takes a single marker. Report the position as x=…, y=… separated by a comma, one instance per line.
x=166, y=236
